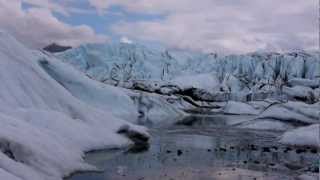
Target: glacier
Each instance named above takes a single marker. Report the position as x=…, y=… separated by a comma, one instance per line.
x=121, y=61
x=252, y=76
x=280, y=89
x=47, y=119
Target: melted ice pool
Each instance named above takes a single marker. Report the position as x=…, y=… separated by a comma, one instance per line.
x=200, y=152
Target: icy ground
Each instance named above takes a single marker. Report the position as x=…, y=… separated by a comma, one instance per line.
x=51, y=114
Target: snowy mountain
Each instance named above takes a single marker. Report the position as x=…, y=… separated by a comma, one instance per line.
x=55, y=48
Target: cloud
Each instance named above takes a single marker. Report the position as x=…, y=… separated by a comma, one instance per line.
x=224, y=26
x=38, y=27
x=126, y=40
x=63, y=7
x=47, y=4
x=227, y=26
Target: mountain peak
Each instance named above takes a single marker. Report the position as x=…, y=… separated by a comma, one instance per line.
x=54, y=48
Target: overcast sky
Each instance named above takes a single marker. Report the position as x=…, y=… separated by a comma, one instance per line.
x=227, y=26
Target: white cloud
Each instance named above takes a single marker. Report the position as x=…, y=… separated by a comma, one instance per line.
x=48, y=5
x=227, y=26
x=205, y=25
x=125, y=40
x=37, y=27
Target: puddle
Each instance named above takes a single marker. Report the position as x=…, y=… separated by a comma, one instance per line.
x=199, y=152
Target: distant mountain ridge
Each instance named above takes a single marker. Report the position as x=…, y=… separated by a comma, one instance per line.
x=55, y=48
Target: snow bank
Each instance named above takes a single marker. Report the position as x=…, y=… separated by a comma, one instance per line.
x=294, y=112
x=265, y=125
x=283, y=116
x=46, y=123
x=304, y=136
x=233, y=107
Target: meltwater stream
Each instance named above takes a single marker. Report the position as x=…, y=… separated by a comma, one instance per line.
x=204, y=151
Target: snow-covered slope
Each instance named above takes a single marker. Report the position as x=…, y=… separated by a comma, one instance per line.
x=304, y=136
x=99, y=95
x=50, y=114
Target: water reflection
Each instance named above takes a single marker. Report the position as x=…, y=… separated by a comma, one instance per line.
x=187, y=152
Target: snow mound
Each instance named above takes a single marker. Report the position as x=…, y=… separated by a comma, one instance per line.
x=294, y=112
x=46, y=123
x=233, y=107
x=304, y=136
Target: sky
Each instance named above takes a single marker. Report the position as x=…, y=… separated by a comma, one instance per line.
x=223, y=26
